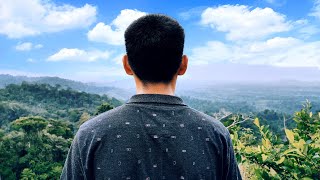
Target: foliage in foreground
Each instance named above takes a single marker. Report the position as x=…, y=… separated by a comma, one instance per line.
x=295, y=157
x=35, y=148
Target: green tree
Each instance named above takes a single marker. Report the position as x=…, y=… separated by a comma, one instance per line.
x=103, y=108
x=296, y=157
x=34, y=147
x=28, y=174
x=83, y=118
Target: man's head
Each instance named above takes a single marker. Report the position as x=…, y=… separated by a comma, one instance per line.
x=154, y=45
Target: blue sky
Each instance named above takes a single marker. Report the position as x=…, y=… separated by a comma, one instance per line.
x=230, y=40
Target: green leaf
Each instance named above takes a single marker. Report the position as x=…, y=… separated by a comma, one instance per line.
x=264, y=157
x=306, y=178
x=289, y=151
x=256, y=122
x=280, y=160
x=266, y=143
x=290, y=135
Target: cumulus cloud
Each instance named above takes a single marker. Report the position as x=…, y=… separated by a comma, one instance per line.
x=113, y=33
x=66, y=54
x=213, y=51
x=277, y=51
x=27, y=46
x=240, y=22
x=32, y=17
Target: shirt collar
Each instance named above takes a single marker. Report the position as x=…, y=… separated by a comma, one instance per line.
x=156, y=98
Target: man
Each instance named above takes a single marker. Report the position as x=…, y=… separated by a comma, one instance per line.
x=154, y=135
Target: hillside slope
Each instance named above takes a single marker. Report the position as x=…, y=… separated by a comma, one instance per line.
x=48, y=101
x=118, y=93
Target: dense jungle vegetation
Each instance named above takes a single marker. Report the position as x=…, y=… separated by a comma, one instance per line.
x=38, y=122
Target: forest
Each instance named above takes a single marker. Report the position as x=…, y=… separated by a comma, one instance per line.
x=48, y=101
x=38, y=122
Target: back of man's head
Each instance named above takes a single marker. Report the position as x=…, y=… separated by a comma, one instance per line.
x=154, y=45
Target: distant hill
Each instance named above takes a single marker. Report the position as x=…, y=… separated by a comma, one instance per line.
x=281, y=96
x=48, y=101
x=244, y=98
x=66, y=83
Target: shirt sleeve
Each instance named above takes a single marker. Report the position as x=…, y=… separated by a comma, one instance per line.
x=73, y=169
x=231, y=169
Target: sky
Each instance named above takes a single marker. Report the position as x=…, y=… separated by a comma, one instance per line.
x=226, y=40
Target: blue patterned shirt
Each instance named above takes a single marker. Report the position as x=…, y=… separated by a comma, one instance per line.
x=152, y=137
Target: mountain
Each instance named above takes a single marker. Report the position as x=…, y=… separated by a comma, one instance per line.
x=112, y=91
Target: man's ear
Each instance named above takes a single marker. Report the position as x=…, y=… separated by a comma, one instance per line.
x=126, y=65
x=184, y=65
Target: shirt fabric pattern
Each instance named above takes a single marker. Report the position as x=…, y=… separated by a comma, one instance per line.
x=152, y=137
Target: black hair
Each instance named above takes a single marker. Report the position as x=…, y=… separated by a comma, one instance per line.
x=154, y=45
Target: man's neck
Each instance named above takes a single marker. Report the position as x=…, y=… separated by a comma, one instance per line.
x=156, y=88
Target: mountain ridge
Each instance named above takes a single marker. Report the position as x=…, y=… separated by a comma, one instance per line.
x=6, y=79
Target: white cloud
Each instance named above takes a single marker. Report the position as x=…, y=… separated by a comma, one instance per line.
x=114, y=33
x=278, y=51
x=316, y=9
x=66, y=54
x=27, y=46
x=309, y=31
x=243, y=23
x=277, y=43
x=31, y=17
x=305, y=28
x=213, y=51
